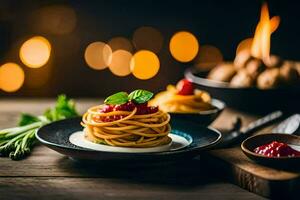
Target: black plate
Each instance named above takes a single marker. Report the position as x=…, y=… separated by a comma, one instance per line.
x=56, y=136
x=248, y=99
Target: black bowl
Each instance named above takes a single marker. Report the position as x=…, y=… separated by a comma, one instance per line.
x=248, y=99
x=251, y=143
x=203, y=118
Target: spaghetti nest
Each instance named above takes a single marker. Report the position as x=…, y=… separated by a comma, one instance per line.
x=170, y=101
x=147, y=130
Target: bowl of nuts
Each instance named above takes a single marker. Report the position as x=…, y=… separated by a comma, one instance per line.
x=251, y=84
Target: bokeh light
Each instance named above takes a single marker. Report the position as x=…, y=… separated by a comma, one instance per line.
x=119, y=43
x=148, y=38
x=120, y=63
x=35, y=52
x=98, y=55
x=244, y=45
x=184, y=46
x=11, y=77
x=54, y=19
x=208, y=57
x=144, y=64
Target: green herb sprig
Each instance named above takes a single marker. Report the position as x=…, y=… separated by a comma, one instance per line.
x=138, y=96
x=18, y=142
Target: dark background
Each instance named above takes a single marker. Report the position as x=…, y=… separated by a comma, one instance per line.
x=216, y=22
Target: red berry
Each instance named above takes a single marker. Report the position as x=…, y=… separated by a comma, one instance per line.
x=142, y=105
x=141, y=111
x=142, y=108
x=185, y=87
x=107, y=108
x=119, y=108
x=129, y=106
x=152, y=109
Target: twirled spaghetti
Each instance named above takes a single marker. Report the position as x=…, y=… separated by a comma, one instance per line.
x=130, y=130
x=171, y=101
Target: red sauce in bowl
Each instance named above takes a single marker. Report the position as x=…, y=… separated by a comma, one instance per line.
x=276, y=149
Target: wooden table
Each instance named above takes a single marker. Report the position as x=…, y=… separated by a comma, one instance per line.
x=47, y=174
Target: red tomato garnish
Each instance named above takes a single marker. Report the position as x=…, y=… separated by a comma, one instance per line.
x=129, y=106
x=185, y=87
x=142, y=109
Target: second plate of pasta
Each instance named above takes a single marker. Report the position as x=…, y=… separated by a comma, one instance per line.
x=184, y=102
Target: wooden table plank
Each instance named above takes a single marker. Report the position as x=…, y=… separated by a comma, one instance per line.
x=45, y=162
x=99, y=188
x=47, y=170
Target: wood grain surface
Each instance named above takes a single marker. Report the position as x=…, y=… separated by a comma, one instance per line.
x=47, y=174
x=268, y=181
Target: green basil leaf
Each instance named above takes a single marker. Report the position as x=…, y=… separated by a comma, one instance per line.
x=118, y=98
x=140, y=96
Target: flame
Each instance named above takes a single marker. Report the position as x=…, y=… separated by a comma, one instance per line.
x=262, y=38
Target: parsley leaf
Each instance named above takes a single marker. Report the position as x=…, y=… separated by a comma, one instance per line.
x=64, y=108
x=26, y=119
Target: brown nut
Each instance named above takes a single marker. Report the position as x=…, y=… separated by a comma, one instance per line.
x=269, y=78
x=242, y=79
x=288, y=73
x=274, y=61
x=254, y=67
x=222, y=72
x=297, y=67
x=241, y=59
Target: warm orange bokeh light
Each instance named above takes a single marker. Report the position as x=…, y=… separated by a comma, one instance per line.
x=148, y=38
x=184, y=46
x=11, y=77
x=120, y=63
x=244, y=45
x=119, y=43
x=98, y=55
x=262, y=38
x=208, y=57
x=35, y=52
x=144, y=64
